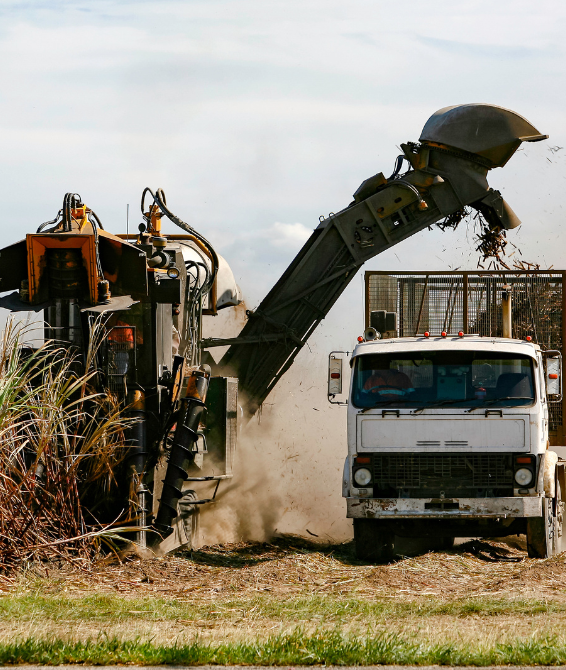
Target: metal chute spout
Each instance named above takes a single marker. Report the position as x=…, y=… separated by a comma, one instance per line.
x=497, y=212
x=493, y=133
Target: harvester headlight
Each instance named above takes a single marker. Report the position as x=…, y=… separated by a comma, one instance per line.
x=524, y=477
x=362, y=477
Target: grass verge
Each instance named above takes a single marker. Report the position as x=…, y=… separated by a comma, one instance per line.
x=330, y=648
x=109, y=608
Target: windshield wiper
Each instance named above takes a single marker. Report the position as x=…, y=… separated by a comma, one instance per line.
x=386, y=403
x=450, y=401
x=441, y=403
x=494, y=400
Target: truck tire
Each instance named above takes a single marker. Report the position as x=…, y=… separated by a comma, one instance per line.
x=442, y=543
x=374, y=541
x=542, y=532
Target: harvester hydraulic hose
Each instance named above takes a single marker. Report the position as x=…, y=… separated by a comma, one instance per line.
x=96, y=219
x=183, y=449
x=398, y=165
x=53, y=223
x=95, y=233
x=160, y=200
x=137, y=452
x=69, y=202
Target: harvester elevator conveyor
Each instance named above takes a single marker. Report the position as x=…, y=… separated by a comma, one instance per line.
x=448, y=172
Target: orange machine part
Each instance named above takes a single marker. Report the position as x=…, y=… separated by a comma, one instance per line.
x=36, y=246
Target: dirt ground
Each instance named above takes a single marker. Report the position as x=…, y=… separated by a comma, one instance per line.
x=256, y=589
x=293, y=566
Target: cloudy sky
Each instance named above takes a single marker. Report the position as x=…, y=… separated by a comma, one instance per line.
x=258, y=116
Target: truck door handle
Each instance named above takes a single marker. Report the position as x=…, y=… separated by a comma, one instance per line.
x=390, y=411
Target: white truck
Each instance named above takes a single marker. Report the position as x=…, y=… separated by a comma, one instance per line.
x=448, y=436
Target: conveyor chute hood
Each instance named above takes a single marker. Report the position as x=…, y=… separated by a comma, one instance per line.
x=491, y=132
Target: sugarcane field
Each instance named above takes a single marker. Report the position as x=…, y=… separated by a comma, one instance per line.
x=282, y=292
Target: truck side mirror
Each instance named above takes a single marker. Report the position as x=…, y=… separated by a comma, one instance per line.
x=553, y=361
x=335, y=375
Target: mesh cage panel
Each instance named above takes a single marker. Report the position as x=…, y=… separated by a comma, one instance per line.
x=471, y=302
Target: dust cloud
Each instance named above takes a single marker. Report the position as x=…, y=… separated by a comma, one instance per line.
x=288, y=467
x=246, y=507
x=290, y=455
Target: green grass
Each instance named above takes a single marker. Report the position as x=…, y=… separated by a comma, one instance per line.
x=109, y=608
x=102, y=608
x=326, y=645
x=291, y=649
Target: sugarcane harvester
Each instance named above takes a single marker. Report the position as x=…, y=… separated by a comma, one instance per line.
x=148, y=293
x=152, y=291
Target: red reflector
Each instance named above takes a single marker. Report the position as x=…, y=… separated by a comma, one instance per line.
x=121, y=335
x=443, y=334
x=460, y=334
x=360, y=338
x=523, y=459
x=528, y=338
x=362, y=460
x=427, y=334
x=335, y=375
x=553, y=375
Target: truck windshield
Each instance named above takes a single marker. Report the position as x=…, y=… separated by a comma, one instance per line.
x=443, y=378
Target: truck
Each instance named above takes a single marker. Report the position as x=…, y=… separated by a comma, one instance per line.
x=149, y=293
x=455, y=410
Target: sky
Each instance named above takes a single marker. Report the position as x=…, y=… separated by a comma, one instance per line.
x=258, y=116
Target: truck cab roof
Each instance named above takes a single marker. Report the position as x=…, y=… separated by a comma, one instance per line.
x=432, y=343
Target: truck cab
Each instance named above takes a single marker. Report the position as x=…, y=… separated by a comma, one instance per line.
x=448, y=436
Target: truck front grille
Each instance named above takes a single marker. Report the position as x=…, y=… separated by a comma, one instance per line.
x=427, y=475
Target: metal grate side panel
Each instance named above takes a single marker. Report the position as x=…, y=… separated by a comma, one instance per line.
x=471, y=302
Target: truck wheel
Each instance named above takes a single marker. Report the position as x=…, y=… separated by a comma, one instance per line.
x=374, y=541
x=542, y=532
x=442, y=543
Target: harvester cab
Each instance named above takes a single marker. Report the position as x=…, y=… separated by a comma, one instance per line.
x=139, y=300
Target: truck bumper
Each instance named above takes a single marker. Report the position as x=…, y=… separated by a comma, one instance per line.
x=432, y=508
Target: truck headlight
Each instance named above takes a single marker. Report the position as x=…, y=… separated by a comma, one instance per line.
x=362, y=477
x=524, y=477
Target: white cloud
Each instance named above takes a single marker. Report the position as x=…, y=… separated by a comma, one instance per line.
x=291, y=235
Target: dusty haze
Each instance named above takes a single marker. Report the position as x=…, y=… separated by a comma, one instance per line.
x=288, y=469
